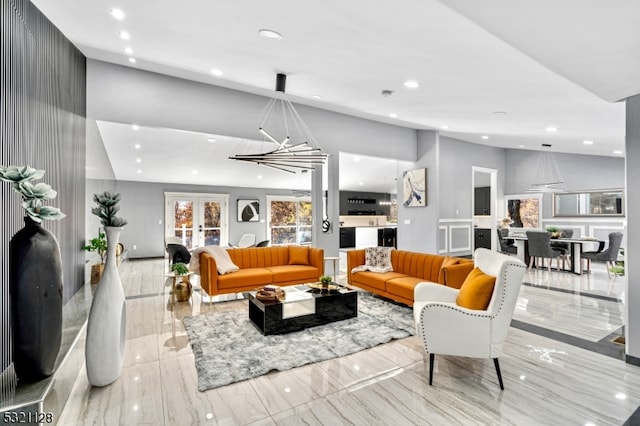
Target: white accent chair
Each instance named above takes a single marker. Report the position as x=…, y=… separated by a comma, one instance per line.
x=247, y=240
x=448, y=329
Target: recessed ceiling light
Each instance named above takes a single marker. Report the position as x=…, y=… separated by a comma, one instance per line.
x=484, y=137
x=124, y=35
x=551, y=129
x=617, y=151
x=137, y=146
x=194, y=172
x=444, y=127
x=132, y=60
x=499, y=113
x=266, y=33
x=521, y=146
x=139, y=171
x=411, y=84
x=317, y=97
x=138, y=160
x=356, y=159
x=360, y=183
x=216, y=72
x=135, y=127
x=259, y=176
x=393, y=115
x=211, y=140
x=128, y=50
x=117, y=13
x=587, y=142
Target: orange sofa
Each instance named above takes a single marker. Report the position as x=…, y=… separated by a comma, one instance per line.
x=409, y=269
x=259, y=266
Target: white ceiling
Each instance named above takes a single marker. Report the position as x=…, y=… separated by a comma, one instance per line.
x=544, y=63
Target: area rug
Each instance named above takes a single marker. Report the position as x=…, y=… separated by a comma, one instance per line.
x=228, y=348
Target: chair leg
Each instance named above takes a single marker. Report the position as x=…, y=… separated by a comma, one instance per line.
x=531, y=259
x=497, y=364
x=431, y=357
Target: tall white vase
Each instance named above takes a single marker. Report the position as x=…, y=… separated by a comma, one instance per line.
x=104, y=348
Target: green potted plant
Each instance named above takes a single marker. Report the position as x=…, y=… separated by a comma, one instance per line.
x=99, y=245
x=182, y=288
x=555, y=232
x=325, y=280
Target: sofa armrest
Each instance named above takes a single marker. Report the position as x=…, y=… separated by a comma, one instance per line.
x=316, y=259
x=354, y=258
x=208, y=274
x=454, y=275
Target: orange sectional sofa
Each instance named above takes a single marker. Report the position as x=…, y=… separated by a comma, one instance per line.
x=409, y=269
x=259, y=266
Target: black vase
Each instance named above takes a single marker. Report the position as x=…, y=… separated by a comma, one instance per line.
x=35, y=276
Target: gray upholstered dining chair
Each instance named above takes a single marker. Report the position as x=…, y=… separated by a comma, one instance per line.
x=540, y=247
x=610, y=255
x=506, y=246
x=562, y=246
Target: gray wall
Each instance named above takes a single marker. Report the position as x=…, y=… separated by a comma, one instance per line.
x=418, y=226
x=43, y=125
x=456, y=161
x=143, y=206
x=127, y=95
x=632, y=254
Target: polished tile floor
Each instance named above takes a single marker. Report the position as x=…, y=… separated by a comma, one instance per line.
x=553, y=368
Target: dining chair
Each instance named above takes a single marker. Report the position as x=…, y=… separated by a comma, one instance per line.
x=609, y=256
x=507, y=246
x=562, y=246
x=540, y=247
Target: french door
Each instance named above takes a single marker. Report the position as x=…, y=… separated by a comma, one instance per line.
x=197, y=219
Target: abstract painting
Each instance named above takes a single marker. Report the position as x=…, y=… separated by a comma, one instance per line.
x=248, y=210
x=414, y=184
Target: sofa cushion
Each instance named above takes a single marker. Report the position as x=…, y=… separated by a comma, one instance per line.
x=375, y=280
x=286, y=273
x=476, y=291
x=298, y=255
x=403, y=286
x=245, y=277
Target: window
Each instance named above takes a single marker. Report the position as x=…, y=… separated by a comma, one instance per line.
x=290, y=220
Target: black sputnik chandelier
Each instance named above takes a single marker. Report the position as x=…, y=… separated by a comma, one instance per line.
x=288, y=155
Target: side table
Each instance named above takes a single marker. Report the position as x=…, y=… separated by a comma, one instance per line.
x=334, y=260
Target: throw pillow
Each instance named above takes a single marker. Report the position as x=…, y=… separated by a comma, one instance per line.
x=476, y=291
x=378, y=259
x=298, y=255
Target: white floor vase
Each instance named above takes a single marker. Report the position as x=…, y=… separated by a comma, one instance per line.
x=107, y=321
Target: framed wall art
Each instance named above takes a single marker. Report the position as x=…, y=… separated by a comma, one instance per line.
x=248, y=211
x=414, y=187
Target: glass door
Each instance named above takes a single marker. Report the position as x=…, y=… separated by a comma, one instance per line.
x=197, y=219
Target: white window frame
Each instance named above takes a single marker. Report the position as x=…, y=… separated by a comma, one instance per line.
x=271, y=198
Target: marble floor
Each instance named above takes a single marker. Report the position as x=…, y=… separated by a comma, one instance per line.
x=559, y=368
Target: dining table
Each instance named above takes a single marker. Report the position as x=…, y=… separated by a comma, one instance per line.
x=576, y=248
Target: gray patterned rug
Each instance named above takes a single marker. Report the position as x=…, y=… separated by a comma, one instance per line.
x=228, y=348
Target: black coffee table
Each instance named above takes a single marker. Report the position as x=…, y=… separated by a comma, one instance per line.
x=302, y=308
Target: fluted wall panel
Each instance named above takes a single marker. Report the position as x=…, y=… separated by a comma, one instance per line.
x=43, y=110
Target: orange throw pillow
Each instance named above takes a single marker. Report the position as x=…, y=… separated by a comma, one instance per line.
x=298, y=255
x=476, y=291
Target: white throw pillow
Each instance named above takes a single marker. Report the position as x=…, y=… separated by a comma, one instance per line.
x=376, y=259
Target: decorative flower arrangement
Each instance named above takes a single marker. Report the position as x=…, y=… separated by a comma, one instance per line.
x=32, y=195
x=107, y=208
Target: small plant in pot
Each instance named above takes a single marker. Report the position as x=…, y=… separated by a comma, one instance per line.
x=99, y=245
x=555, y=232
x=325, y=280
x=182, y=287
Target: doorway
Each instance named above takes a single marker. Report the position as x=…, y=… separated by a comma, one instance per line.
x=197, y=219
x=484, y=184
